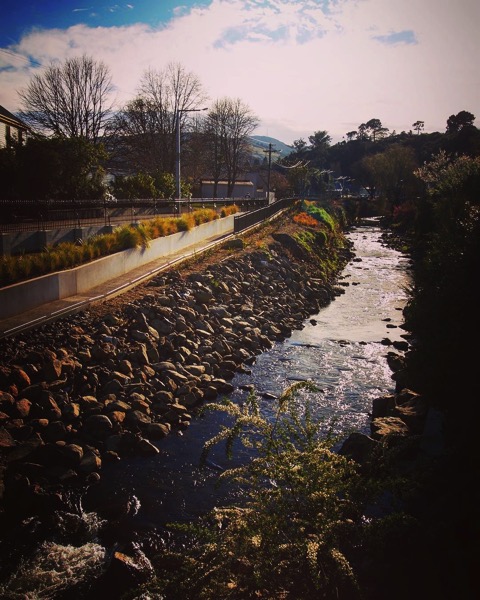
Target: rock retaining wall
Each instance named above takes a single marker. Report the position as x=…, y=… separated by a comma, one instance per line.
x=82, y=392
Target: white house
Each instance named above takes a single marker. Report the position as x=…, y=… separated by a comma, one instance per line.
x=241, y=189
x=12, y=129
x=251, y=184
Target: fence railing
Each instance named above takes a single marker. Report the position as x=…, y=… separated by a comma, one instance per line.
x=23, y=215
x=253, y=217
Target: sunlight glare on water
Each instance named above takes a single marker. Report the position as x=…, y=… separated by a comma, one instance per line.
x=342, y=354
x=341, y=348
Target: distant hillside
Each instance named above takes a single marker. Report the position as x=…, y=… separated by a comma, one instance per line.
x=260, y=144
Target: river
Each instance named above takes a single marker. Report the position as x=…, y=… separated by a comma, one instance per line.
x=342, y=350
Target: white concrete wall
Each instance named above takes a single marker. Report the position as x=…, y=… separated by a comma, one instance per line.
x=20, y=297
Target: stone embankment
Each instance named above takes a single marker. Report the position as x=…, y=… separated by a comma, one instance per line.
x=88, y=389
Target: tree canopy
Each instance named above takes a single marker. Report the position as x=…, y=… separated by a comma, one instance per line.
x=229, y=123
x=58, y=168
x=143, y=131
x=461, y=120
x=69, y=100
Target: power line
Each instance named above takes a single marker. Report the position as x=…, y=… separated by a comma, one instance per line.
x=298, y=164
x=30, y=61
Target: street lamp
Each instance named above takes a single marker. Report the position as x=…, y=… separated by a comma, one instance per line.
x=177, y=164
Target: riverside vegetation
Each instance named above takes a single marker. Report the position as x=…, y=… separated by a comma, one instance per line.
x=375, y=520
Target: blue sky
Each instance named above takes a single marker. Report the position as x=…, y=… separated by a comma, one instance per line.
x=19, y=18
x=300, y=65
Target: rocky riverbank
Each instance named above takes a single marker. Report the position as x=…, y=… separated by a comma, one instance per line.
x=110, y=382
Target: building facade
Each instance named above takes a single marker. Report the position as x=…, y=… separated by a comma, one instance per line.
x=241, y=189
x=12, y=129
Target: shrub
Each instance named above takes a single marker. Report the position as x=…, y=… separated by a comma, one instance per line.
x=286, y=540
x=10, y=269
x=103, y=244
x=158, y=227
x=170, y=225
x=304, y=219
x=225, y=211
x=321, y=215
x=67, y=255
x=130, y=237
x=89, y=252
x=204, y=215
x=184, y=223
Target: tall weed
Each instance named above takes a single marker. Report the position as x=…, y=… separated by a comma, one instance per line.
x=287, y=539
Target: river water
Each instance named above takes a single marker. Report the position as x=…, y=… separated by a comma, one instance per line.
x=342, y=350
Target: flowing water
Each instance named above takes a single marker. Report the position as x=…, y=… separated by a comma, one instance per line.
x=342, y=350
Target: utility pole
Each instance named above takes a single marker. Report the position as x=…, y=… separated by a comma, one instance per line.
x=269, y=152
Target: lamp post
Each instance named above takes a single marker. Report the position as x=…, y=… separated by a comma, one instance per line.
x=177, y=163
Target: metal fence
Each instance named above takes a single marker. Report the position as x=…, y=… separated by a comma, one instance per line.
x=253, y=217
x=43, y=215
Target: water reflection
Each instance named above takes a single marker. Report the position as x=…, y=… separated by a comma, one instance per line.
x=342, y=354
x=343, y=348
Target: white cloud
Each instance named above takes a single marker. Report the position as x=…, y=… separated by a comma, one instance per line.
x=299, y=66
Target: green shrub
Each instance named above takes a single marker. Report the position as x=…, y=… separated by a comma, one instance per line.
x=321, y=215
x=10, y=269
x=103, y=245
x=286, y=540
x=130, y=237
x=184, y=223
x=306, y=239
x=88, y=252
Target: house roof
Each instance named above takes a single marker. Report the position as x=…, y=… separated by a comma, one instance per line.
x=222, y=182
x=7, y=117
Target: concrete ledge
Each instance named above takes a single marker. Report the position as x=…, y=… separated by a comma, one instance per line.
x=20, y=297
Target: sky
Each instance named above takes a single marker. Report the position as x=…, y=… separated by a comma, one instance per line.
x=301, y=65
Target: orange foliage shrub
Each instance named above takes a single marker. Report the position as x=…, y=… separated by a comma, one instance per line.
x=304, y=219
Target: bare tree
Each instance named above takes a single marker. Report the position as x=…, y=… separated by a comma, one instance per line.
x=146, y=126
x=214, y=148
x=135, y=137
x=229, y=123
x=69, y=100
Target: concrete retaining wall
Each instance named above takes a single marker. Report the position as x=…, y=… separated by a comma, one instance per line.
x=20, y=297
x=18, y=242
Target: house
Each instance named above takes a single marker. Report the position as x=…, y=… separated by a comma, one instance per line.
x=241, y=189
x=251, y=185
x=12, y=129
